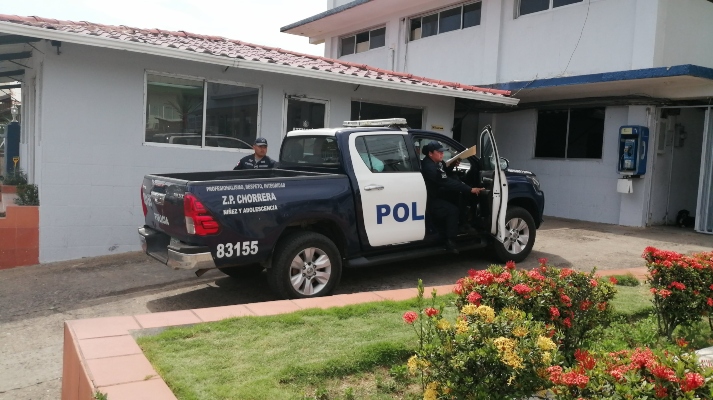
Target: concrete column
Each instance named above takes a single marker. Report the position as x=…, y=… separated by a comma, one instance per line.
x=634, y=206
x=492, y=19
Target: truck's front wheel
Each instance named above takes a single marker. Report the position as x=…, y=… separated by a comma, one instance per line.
x=520, y=235
x=305, y=264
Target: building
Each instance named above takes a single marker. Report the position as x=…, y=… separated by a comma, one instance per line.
x=105, y=105
x=581, y=69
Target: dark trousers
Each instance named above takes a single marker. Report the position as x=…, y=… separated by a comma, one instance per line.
x=445, y=216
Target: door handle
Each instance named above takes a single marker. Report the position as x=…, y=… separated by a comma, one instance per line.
x=373, y=187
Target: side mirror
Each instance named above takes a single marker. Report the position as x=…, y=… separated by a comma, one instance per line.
x=504, y=163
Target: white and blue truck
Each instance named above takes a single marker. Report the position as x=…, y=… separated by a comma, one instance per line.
x=341, y=198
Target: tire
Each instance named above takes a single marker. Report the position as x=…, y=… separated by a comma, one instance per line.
x=305, y=265
x=520, y=233
x=243, y=272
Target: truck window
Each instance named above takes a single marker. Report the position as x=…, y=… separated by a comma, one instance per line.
x=320, y=151
x=384, y=153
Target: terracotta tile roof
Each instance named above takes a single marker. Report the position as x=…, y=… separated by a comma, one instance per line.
x=220, y=46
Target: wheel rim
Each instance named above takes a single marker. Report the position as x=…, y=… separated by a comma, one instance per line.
x=517, y=235
x=310, y=271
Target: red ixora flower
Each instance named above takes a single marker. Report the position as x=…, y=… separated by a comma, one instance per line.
x=584, y=359
x=574, y=378
x=474, y=298
x=536, y=275
x=566, y=300
x=593, y=282
x=510, y=265
x=681, y=342
x=410, y=317
x=613, y=280
x=677, y=285
x=554, y=313
x=458, y=289
x=664, y=372
x=542, y=261
x=709, y=301
x=660, y=392
x=431, y=312
x=643, y=358
x=567, y=322
x=521, y=289
x=565, y=272
x=503, y=277
x=691, y=381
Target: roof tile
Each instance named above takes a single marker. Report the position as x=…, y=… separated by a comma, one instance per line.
x=230, y=48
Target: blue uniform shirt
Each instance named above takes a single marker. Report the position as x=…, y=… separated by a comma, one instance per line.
x=248, y=162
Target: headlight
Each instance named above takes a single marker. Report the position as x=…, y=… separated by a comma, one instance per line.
x=535, y=182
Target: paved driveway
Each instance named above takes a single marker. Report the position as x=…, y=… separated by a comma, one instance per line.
x=36, y=300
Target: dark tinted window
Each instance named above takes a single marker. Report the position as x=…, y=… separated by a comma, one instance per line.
x=416, y=28
x=362, y=42
x=560, y=3
x=551, y=133
x=310, y=150
x=429, y=25
x=586, y=133
x=471, y=15
x=573, y=133
x=378, y=38
x=449, y=20
x=348, y=45
x=531, y=6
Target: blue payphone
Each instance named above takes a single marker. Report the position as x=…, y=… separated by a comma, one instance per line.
x=633, y=145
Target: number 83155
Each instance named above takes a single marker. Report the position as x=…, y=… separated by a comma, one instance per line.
x=237, y=249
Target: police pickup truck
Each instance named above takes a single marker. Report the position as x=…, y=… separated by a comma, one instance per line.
x=341, y=198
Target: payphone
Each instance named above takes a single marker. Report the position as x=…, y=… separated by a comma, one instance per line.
x=633, y=145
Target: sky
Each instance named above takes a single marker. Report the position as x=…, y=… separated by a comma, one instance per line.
x=253, y=21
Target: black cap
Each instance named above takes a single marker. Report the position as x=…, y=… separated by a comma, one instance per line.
x=261, y=141
x=432, y=146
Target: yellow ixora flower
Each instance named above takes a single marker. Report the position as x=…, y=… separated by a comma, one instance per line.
x=412, y=364
x=462, y=326
x=512, y=314
x=545, y=343
x=485, y=313
x=431, y=392
x=546, y=357
x=469, y=309
x=443, y=325
x=520, y=331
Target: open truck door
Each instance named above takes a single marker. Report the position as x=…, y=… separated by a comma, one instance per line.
x=494, y=180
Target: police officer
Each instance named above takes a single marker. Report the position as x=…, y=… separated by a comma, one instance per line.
x=258, y=160
x=443, y=190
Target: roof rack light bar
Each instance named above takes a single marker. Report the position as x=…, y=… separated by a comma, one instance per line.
x=376, y=122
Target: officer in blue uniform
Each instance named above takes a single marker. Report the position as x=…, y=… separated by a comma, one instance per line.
x=258, y=160
x=443, y=189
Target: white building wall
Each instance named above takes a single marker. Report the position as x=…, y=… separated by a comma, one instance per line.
x=576, y=189
x=89, y=139
x=688, y=32
x=582, y=38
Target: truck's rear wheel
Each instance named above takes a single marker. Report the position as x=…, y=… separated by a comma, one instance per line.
x=305, y=264
x=520, y=235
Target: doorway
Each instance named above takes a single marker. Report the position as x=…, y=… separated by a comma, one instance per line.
x=304, y=113
x=680, y=168
x=704, y=211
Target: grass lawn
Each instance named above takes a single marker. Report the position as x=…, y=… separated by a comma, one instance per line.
x=353, y=352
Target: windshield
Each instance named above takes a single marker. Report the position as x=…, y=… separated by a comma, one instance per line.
x=310, y=151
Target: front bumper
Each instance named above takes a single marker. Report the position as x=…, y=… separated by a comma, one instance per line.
x=173, y=253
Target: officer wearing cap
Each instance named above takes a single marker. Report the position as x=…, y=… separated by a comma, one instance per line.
x=443, y=189
x=258, y=160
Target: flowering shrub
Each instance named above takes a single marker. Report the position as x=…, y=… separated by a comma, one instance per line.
x=480, y=353
x=637, y=374
x=682, y=287
x=567, y=301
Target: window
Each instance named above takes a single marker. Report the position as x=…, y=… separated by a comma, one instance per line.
x=452, y=19
x=363, y=41
x=384, y=153
x=533, y=6
x=319, y=151
x=571, y=133
x=363, y=110
x=175, y=107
